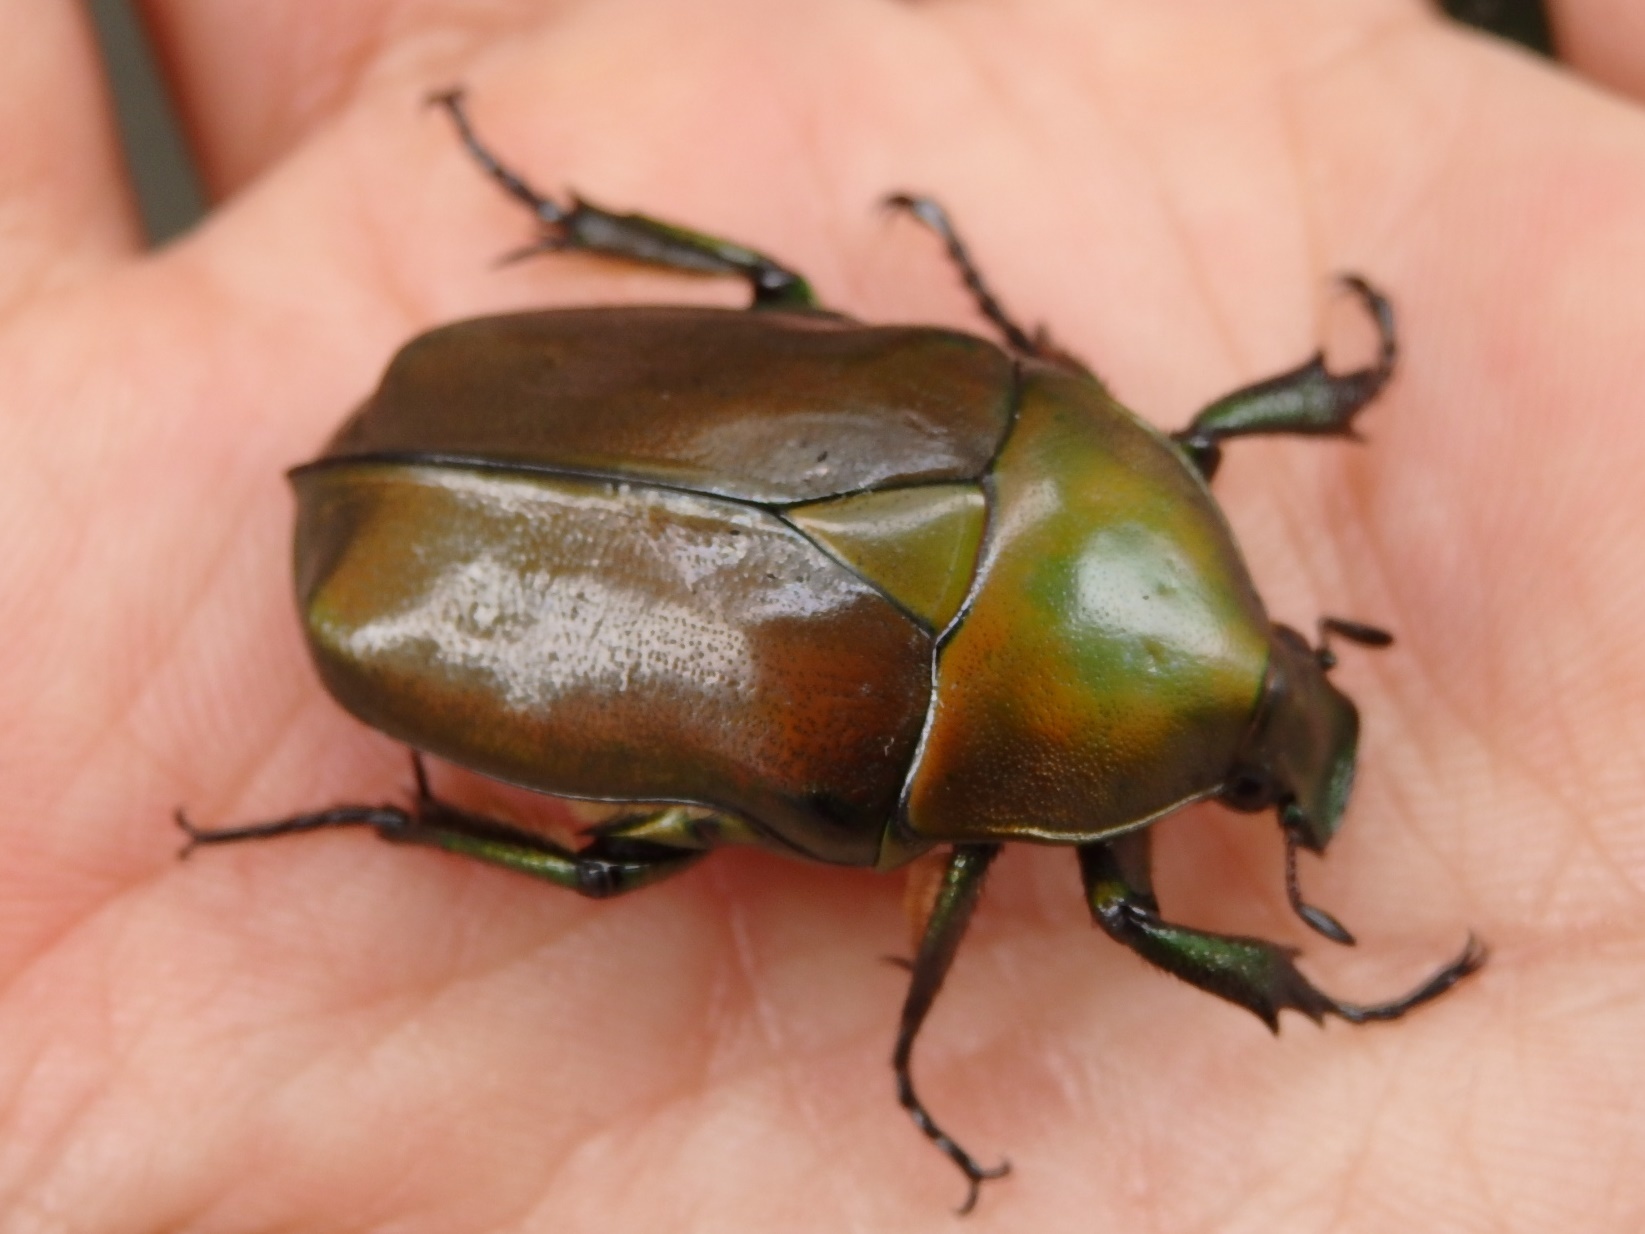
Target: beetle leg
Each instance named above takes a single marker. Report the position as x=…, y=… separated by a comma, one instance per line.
x=1308, y=400
x=930, y=212
x=585, y=227
x=1038, y=344
x=950, y=913
x=606, y=867
x=676, y=827
x=1257, y=975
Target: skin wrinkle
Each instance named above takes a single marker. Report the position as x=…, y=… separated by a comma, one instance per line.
x=620, y=1127
x=988, y=83
x=1559, y=868
x=119, y=714
x=1442, y=147
x=1419, y=655
x=26, y=289
x=122, y=732
x=1623, y=1165
x=1290, y=109
x=1466, y=1139
x=73, y=532
x=1557, y=736
x=382, y=262
x=1421, y=660
x=178, y=638
x=393, y=1014
x=831, y=225
x=617, y=1130
x=1219, y=1222
x=286, y=732
x=1191, y=258
x=1303, y=528
x=1016, y=109
x=1051, y=1051
x=769, y=1023
x=48, y=946
x=1425, y=840
x=1354, y=1175
x=1586, y=827
x=71, y=1116
x=388, y=266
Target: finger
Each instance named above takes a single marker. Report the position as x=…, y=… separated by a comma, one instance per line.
x=251, y=80
x=64, y=202
x=1604, y=40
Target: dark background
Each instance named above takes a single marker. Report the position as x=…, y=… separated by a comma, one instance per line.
x=168, y=191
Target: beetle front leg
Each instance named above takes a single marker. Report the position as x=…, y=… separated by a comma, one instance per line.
x=588, y=228
x=957, y=894
x=609, y=866
x=1257, y=975
x=1309, y=400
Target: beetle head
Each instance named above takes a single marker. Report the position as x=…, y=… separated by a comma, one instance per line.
x=1299, y=755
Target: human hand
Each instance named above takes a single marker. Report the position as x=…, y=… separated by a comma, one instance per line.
x=333, y=1033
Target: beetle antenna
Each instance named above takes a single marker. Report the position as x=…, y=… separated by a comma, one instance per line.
x=1354, y=631
x=1317, y=919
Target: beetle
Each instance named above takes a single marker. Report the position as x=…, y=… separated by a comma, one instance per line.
x=849, y=593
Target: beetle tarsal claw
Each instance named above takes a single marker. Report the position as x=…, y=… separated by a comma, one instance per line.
x=1469, y=960
x=189, y=830
x=977, y=1176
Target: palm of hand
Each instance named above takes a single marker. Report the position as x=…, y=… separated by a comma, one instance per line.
x=331, y=1034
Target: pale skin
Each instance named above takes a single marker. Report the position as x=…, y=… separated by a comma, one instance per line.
x=327, y=1033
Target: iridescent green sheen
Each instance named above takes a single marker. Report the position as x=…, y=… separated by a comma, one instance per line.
x=1114, y=649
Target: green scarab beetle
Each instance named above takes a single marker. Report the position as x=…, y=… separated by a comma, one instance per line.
x=846, y=592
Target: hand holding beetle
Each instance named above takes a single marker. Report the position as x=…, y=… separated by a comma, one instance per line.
x=302, y=1031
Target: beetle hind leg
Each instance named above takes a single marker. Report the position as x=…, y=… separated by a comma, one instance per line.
x=1250, y=972
x=1309, y=400
x=957, y=894
x=582, y=226
x=608, y=866
x=931, y=213
x=1037, y=344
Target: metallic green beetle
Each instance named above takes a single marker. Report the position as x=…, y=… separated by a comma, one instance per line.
x=850, y=593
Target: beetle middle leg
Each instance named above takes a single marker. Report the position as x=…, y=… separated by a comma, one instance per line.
x=580, y=225
x=957, y=894
x=608, y=866
x=1309, y=400
x=1250, y=972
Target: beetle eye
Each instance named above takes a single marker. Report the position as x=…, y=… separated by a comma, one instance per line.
x=1247, y=791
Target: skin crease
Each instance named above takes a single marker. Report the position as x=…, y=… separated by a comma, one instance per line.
x=334, y=1035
